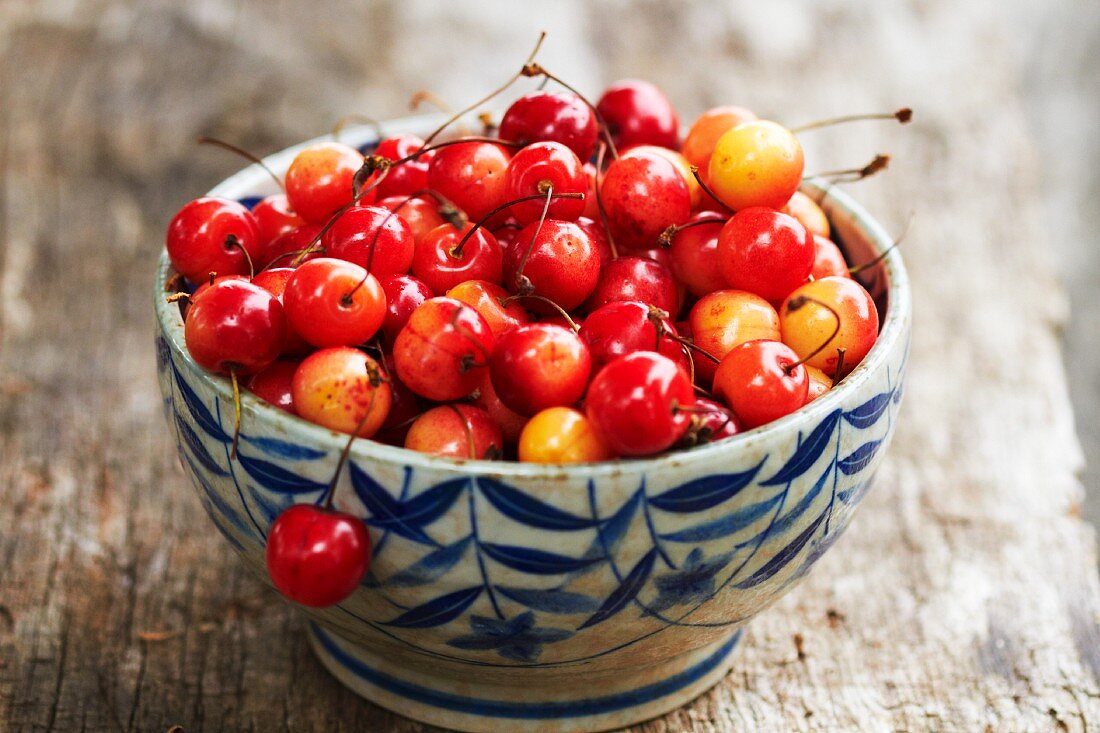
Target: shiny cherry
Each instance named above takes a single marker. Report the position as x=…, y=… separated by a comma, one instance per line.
x=807, y=324
x=623, y=327
x=765, y=252
x=420, y=213
x=809, y=214
x=456, y=431
x=820, y=383
x=443, y=351
x=488, y=299
x=636, y=278
x=410, y=176
x=721, y=320
x=286, y=247
x=761, y=381
x=694, y=255
x=541, y=167
x=643, y=195
x=404, y=294
x=275, y=217
x=273, y=384
x=315, y=556
x=447, y=257
x=207, y=236
x=704, y=133
x=342, y=389
x=472, y=175
x=372, y=237
x=557, y=260
x=828, y=259
x=333, y=302
x=319, y=180
x=757, y=163
x=638, y=113
x=539, y=365
x=546, y=116
x=562, y=435
x=234, y=326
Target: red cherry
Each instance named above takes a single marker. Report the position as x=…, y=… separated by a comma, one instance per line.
x=635, y=278
x=456, y=431
x=319, y=180
x=562, y=263
x=694, y=256
x=234, y=326
x=551, y=117
x=595, y=231
x=539, y=365
x=623, y=327
x=372, y=237
x=638, y=113
x=274, y=281
x=342, y=389
x=471, y=175
x=441, y=263
x=509, y=421
x=761, y=381
x=206, y=236
x=828, y=260
x=273, y=384
x=317, y=557
x=420, y=213
x=275, y=218
x=723, y=319
x=286, y=247
x=540, y=167
x=633, y=402
x=443, y=351
x=209, y=283
x=712, y=422
x=334, y=302
x=404, y=294
x=488, y=299
x=643, y=195
x=765, y=252
x=410, y=176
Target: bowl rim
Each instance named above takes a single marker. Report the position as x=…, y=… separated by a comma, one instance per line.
x=893, y=327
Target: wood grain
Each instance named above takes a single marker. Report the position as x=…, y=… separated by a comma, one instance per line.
x=965, y=595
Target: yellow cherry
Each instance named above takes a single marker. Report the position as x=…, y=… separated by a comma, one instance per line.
x=561, y=435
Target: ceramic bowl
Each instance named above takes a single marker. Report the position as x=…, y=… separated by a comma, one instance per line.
x=515, y=597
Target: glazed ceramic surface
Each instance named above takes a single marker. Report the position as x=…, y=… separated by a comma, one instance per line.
x=515, y=597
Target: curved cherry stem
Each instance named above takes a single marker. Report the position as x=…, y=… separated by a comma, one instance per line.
x=535, y=69
x=542, y=299
x=236, y=412
x=664, y=239
x=417, y=100
x=499, y=90
x=902, y=115
x=706, y=189
x=467, y=362
x=376, y=381
x=518, y=281
x=471, y=444
x=599, y=201
x=801, y=302
x=231, y=241
x=251, y=157
x=851, y=175
x=840, y=352
x=885, y=253
x=456, y=251
x=348, y=119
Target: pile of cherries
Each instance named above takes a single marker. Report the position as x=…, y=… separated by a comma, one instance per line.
x=582, y=286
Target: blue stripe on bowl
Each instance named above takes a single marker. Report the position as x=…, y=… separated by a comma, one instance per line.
x=525, y=711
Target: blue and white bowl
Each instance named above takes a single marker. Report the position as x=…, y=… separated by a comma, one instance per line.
x=516, y=597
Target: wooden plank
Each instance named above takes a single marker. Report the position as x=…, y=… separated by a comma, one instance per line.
x=963, y=597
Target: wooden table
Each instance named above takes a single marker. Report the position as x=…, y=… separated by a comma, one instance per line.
x=965, y=595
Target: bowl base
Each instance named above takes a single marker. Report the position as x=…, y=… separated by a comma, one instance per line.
x=466, y=705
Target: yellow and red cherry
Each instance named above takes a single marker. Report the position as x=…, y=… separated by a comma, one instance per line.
x=443, y=351
x=828, y=259
x=539, y=365
x=557, y=260
x=693, y=255
x=274, y=281
x=560, y=435
x=274, y=217
x=471, y=175
x=288, y=246
x=421, y=214
x=234, y=326
x=704, y=133
x=342, y=389
x=213, y=235
x=635, y=401
x=638, y=113
x=809, y=214
x=509, y=421
x=333, y=302
x=724, y=319
x=545, y=116
x=538, y=169
x=765, y=252
x=404, y=294
x=757, y=163
x=683, y=167
x=315, y=556
x=761, y=381
x=447, y=257
x=623, y=327
x=642, y=196
x=488, y=299
x=456, y=431
x=820, y=383
x=636, y=278
x=407, y=177
x=274, y=384
x=372, y=237
x=320, y=178
x=806, y=322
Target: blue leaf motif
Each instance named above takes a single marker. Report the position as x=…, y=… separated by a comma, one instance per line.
x=385, y=510
x=784, y=556
x=858, y=459
x=163, y=354
x=269, y=507
x=854, y=494
x=616, y=526
x=626, y=592
x=528, y=510
x=437, y=611
x=870, y=411
x=807, y=453
x=198, y=450
x=536, y=562
x=430, y=567
x=430, y=505
x=277, y=479
x=549, y=600
x=214, y=501
x=783, y=523
x=724, y=526
x=704, y=493
x=199, y=411
x=283, y=449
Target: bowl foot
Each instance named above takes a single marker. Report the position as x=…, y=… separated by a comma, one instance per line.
x=464, y=704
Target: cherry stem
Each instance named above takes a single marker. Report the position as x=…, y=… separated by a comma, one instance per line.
x=232, y=241
x=469, y=431
x=882, y=255
x=356, y=117
x=851, y=175
x=800, y=302
x=252, y=157
x=376, y=380
x=518, y=281
x=536, y=69
x=902, y=115
x=444, y=207
x=543, y=299
x=840, y=352
x=236, y=413
x=456, y=251
x=469, y=337
x=599, y=201
x=664, y=239
x=700, y=410
x=515, y=77
x=175, y=297
x=706, y=189
x=426, y=95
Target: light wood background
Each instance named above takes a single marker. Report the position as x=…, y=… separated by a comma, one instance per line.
x=965, y=595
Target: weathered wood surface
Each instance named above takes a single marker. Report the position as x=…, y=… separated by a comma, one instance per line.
x=965, y=595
